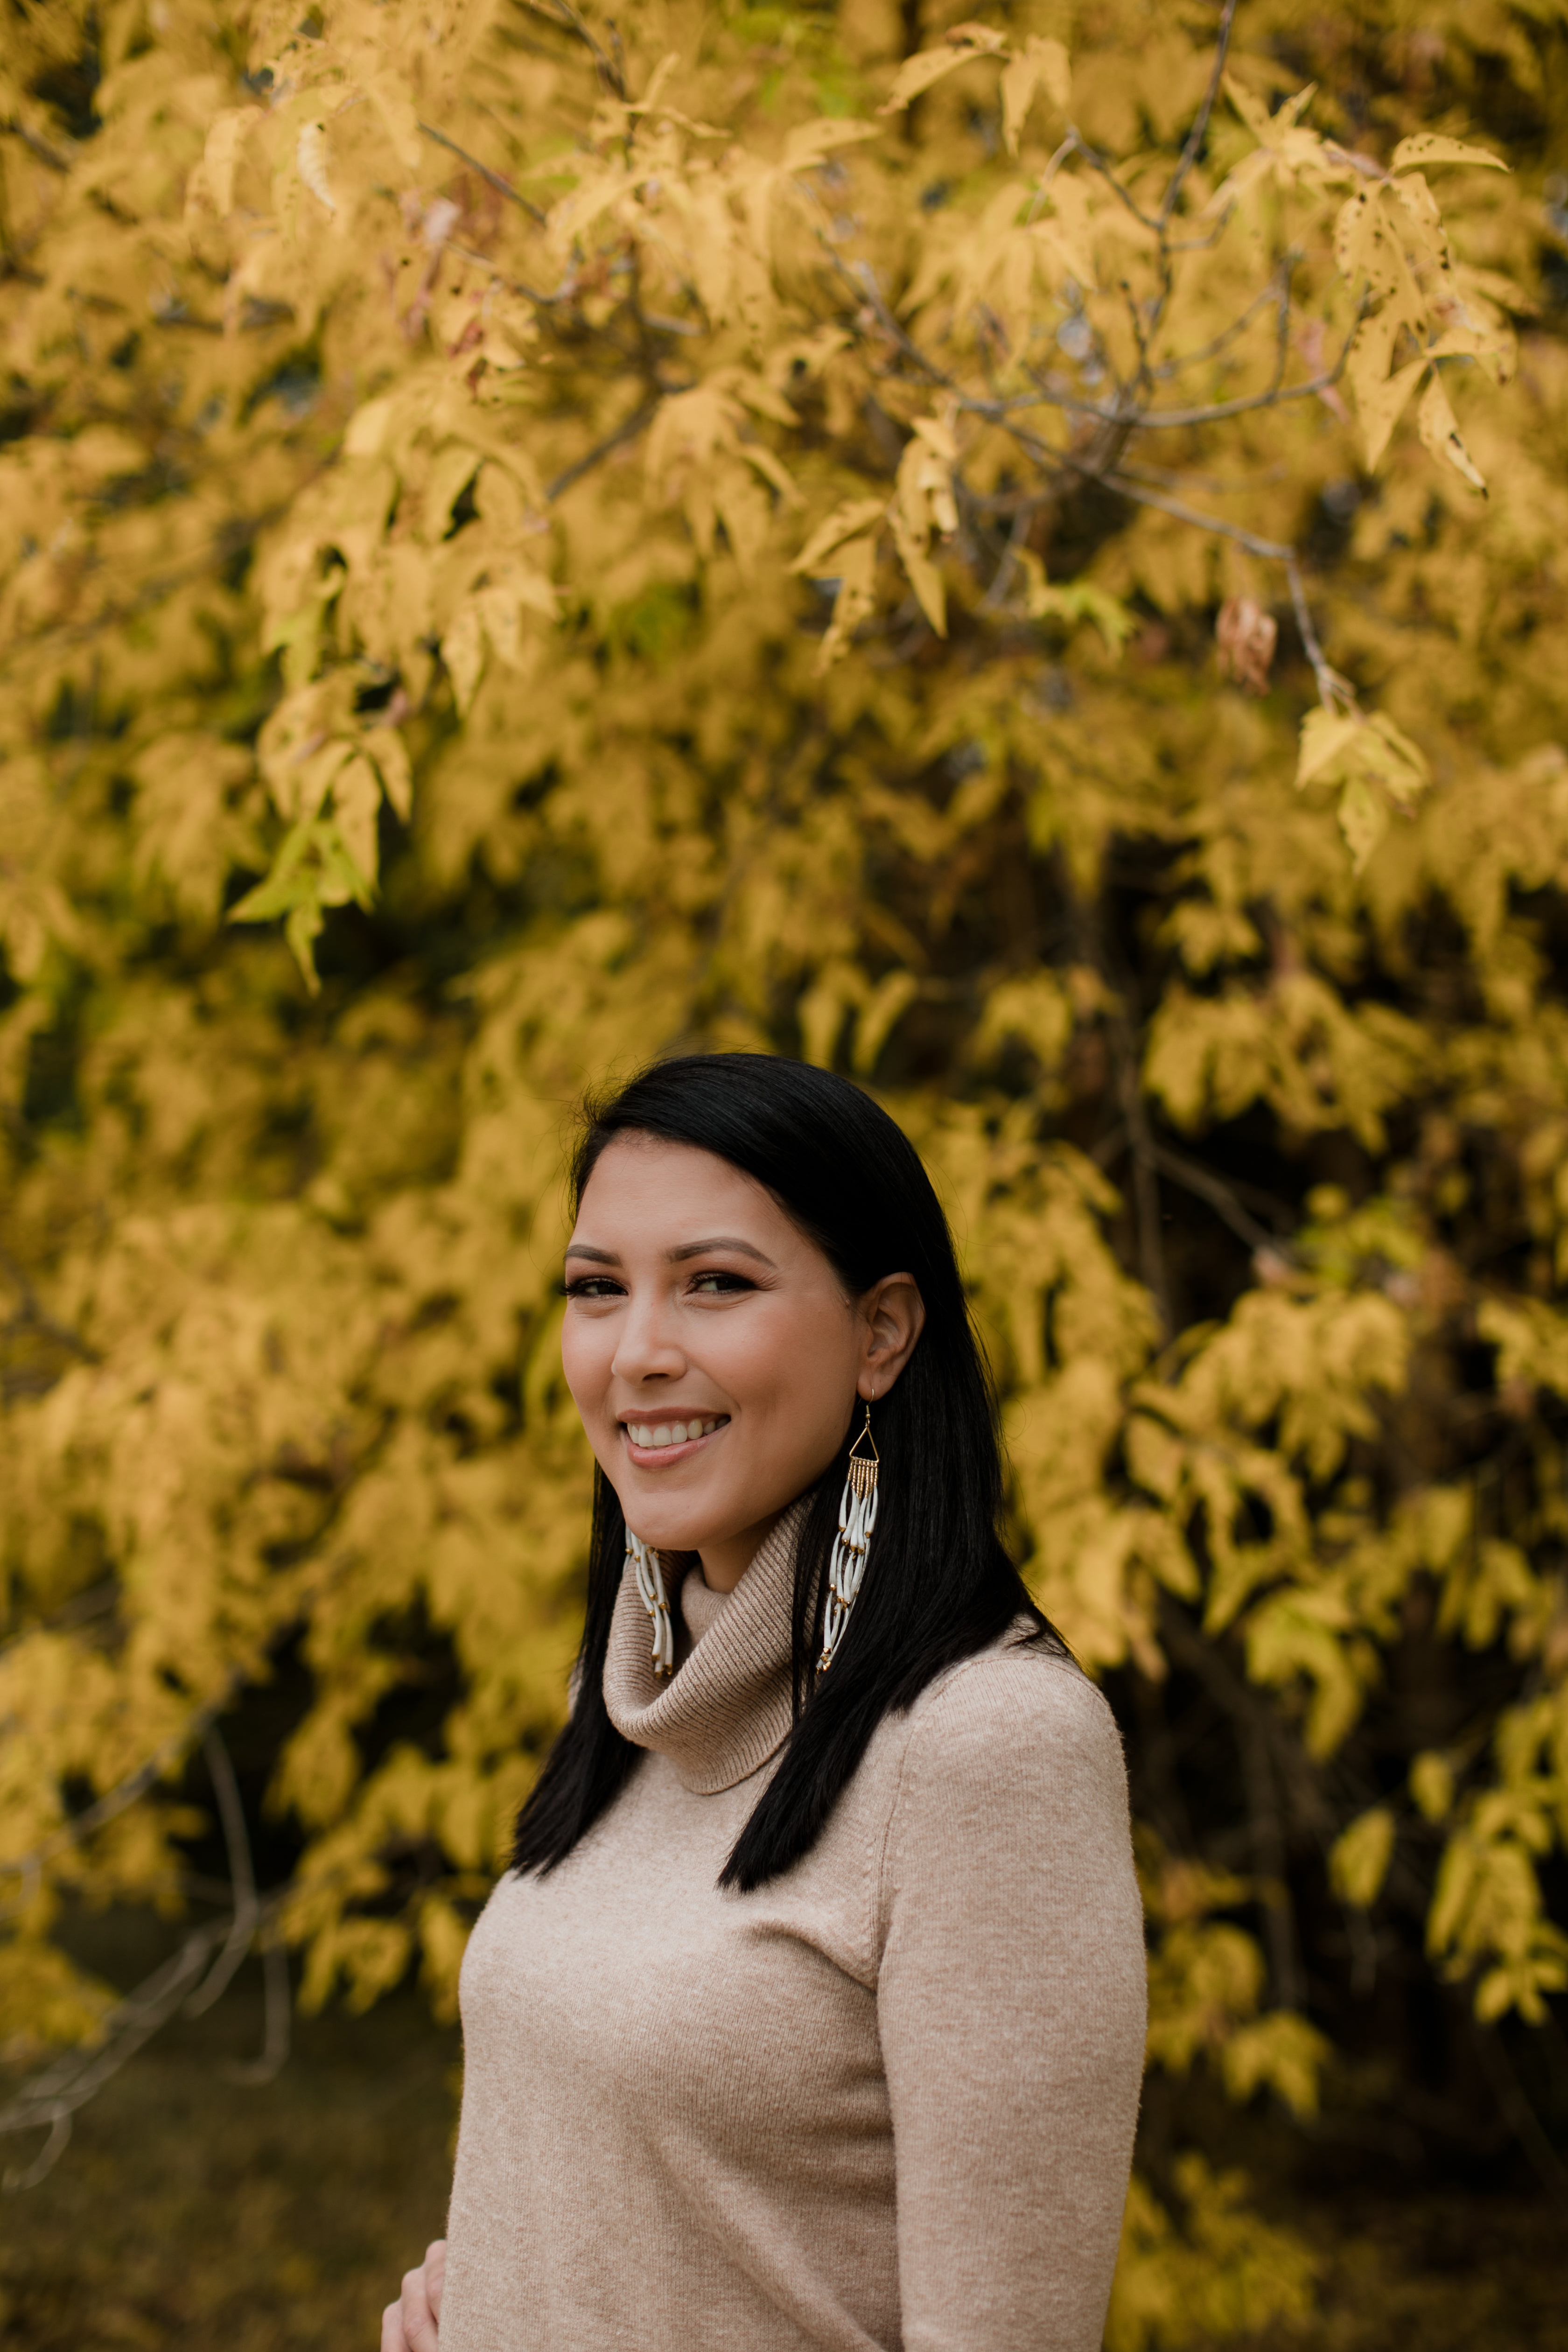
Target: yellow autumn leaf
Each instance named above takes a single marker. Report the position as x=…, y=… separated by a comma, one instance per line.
x=1440, y=434
x=919, y=73
x=1432, y=1785
x=846, y=521
x=1359, y=1857
x=1041, y=63
x=1426, y=147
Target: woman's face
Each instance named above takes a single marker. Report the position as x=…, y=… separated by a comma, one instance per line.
x=711, y=1350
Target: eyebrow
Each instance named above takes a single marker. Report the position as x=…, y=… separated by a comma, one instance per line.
x=676, y=1256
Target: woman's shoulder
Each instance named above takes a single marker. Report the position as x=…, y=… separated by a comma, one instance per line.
x=1017, y=1723
x=1026, y=1683
x=1010, y=1756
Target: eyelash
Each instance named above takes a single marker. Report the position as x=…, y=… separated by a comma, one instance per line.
x=594, y=1287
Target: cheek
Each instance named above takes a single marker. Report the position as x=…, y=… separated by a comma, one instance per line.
x=794, y=1369
x=585, y=1361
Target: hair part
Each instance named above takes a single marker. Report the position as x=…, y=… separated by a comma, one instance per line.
x=940, y=1585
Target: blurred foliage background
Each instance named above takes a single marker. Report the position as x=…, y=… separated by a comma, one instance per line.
x=1020, y=559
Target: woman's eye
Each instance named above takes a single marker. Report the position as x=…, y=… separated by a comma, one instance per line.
x=593, y=1286
x=716, y=1284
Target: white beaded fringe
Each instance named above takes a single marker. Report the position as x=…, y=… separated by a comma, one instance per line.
x=650, y=1584
x=846, y=1568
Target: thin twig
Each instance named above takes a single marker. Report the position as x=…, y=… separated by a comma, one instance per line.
x=1282, y=327
x=1275, y=397
x=1221, y=342
x=1333, y=691
x=496, y=180
x=62, y=2089
x=1194, y=1178
x=1139, y=336
x=1206, y=243
x=40, y=147
x=55, y=2094
x=1001, y=579
x=562, y=14
x=1214, y=413
x=241, y=1876
x=1048, y=175
x=277, y=2017
x=1196, y=135
x=634, y=425
x=1096, y=163
x=513, y=285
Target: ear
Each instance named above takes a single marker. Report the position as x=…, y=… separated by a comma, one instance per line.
x=893, y=1316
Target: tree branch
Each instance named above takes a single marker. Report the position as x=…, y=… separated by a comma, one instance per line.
x=241, y=1876
x=60, y=2090
x=1096, y=163
x=1333, y=691
x=562, y=14
x=39, y=147
x=1221, y=341
x=1196, y=1178
x=632, y=425
x=492, y=179
x=1196, y=135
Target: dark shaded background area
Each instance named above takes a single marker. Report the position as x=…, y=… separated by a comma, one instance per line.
x=192, y=2210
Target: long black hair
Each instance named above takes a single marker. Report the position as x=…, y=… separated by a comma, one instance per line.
x=940, y=1585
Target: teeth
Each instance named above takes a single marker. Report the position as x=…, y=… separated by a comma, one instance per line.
x=652, y=1435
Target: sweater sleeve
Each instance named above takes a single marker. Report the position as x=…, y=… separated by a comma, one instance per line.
x=1011, y=2005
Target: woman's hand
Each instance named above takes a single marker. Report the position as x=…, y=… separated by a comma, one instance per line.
x=412, y=2324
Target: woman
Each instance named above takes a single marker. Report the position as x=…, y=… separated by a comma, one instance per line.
x=811, y=2012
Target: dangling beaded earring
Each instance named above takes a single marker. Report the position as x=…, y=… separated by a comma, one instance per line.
x=856, y=1517
x=650, y=1584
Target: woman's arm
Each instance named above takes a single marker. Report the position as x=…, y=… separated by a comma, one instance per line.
x=1012, y=2008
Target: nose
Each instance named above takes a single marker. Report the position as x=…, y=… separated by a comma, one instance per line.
x=646, y=1348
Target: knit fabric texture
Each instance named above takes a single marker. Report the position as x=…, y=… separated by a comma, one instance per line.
x=885, y=2101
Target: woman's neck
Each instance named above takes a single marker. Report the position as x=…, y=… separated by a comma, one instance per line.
x=726, y=1560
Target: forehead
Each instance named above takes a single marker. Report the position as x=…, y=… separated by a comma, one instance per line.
x=672, y=1190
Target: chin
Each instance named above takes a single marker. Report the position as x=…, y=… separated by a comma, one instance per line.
x=666, y=1529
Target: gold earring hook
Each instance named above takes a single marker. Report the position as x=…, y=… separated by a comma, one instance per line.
x=863, y=1437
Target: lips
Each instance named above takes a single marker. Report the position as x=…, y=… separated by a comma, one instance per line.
x=671, y=1432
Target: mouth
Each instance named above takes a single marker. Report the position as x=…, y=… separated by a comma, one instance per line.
x=670, y=1439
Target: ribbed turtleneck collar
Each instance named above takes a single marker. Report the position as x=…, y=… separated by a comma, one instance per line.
x=728, y=1708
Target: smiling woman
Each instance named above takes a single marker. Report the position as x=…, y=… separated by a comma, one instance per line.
x=811, y=2013
x=715, y=1376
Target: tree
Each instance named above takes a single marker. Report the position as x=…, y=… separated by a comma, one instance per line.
x=1003, y=557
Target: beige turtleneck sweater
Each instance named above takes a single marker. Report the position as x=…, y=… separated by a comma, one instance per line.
x=886, y=2100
